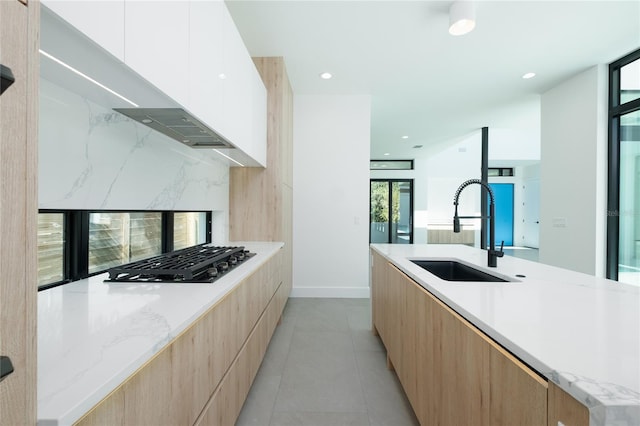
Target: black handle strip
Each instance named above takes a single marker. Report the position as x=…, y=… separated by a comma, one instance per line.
x=6, y=78
x=6, y=367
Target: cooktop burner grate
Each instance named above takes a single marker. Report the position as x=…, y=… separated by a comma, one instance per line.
x=197, y=264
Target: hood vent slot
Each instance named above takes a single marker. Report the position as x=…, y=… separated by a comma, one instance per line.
x=177, y=124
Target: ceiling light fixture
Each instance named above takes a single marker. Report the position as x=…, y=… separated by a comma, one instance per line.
x=462, y=17
x=326, y=75
x=386, y=153
x=86, y=77
x=405, y=137
x=529, y=75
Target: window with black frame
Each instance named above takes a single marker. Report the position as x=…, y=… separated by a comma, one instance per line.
x=51, y=246
x=76, y=244
x=623, y=222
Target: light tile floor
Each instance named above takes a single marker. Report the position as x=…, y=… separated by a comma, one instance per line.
x=324, y=367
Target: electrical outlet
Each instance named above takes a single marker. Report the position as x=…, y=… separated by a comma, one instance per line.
x=559, y=222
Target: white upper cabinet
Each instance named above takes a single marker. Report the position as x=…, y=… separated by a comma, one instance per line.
x=206, y=68
x=157, y=44
x=102, y=21
x=244, y=96
x=191, y=51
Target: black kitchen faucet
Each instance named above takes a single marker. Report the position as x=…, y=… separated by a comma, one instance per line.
x=493, y=254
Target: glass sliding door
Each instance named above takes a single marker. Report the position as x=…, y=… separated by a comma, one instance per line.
x=391, y=211
x=379, y=230
x=629, y=213
x=623, y=212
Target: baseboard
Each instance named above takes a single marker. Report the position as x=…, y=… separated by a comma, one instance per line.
x=331, y=292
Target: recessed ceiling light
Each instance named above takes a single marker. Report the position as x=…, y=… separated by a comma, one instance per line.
x=405, y=137
x=147, y=120
x=386, y=153
x=529, y=75
x=326, y=75
x=384, y=165
x=222, y=76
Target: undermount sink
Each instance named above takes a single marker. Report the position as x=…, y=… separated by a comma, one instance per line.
x=450, y=270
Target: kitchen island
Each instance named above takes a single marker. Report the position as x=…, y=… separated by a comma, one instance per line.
x=577, y=332
x=101, y=344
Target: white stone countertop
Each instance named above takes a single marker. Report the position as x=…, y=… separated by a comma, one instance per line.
x=579, y=331
x=93, y=335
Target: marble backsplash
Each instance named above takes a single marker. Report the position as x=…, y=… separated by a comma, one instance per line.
x=91, y=157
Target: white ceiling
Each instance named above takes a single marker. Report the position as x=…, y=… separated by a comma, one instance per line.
x=425, y=83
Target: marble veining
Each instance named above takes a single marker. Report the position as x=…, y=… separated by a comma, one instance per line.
x=579, y=331
x=94, y=158
x=608, y=403
x=93, y=335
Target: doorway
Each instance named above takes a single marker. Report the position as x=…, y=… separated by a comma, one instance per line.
x=503, y=193
x=391, y=211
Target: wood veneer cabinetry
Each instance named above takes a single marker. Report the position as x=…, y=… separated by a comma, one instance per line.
x=260, y=199
x=19, y=41
x=216, y=357
x=564, y=409
x=452, y=373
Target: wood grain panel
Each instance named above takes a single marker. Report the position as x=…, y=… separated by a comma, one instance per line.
x=31, y=213
x=447, y=236
x=108, y=413
x=287, y=235
x=378, y=271
x=226, y=403
x=261, y=200
x=254, y=190
x=19, y=29
x=518, y=395
x=565, y=408
x=426, y=406
x=462, y=370
x=409, y=307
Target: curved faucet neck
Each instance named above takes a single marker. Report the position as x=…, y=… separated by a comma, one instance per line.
x=471, y=182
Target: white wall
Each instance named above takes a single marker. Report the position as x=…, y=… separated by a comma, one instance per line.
x=573, y=173
x=331, y=139
x=91, y=157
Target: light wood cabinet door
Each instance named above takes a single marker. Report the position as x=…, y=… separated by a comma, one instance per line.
x=378, y=272
x=409, y=301
x=461, y=370
x=19, y=29
x=565, y=409
x=518, y=394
